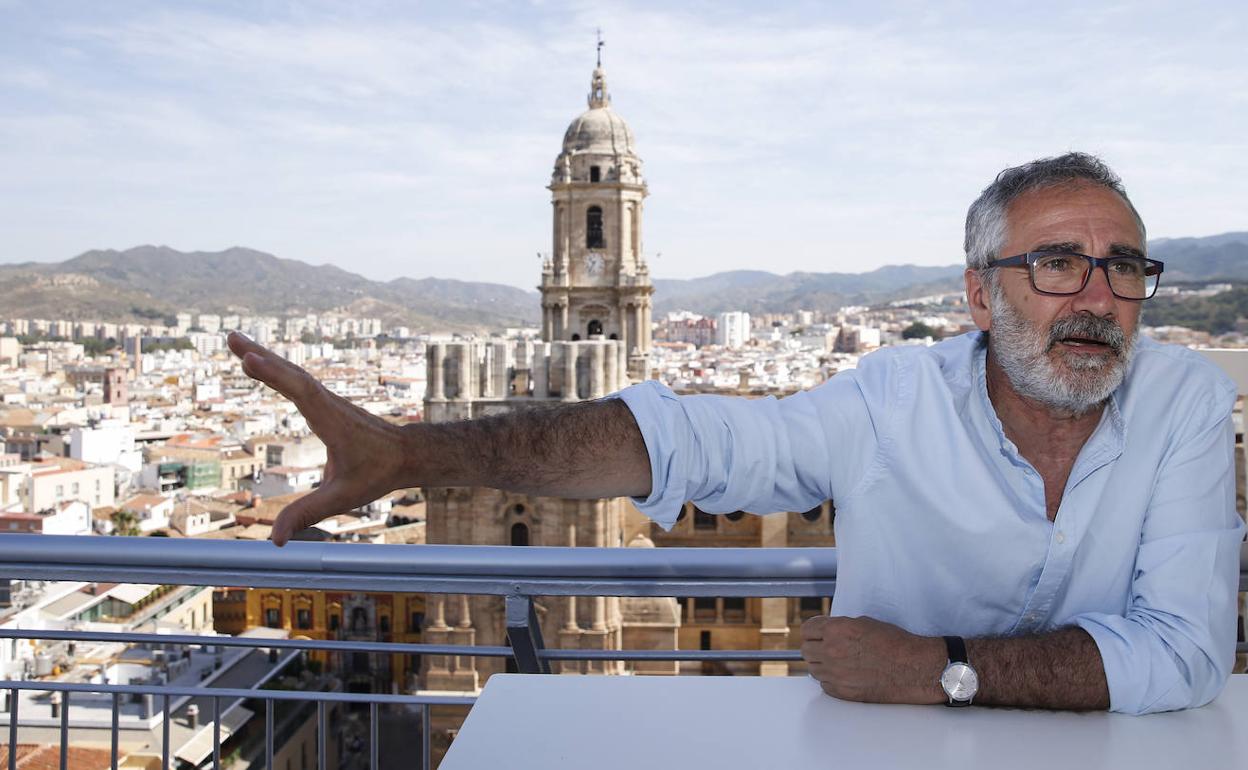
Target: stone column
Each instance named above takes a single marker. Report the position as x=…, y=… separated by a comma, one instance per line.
x=563, y=321
x=634, y=317
x=569, y=371
x=612, y=372
x=464, y=349
x=436, y=374
x=548, y=322
x=643, y=339
x=541, y=379
x=624, y=333
x=485, y=383
x=597, y=370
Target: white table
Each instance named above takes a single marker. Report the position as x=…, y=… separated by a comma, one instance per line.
x=552, y=721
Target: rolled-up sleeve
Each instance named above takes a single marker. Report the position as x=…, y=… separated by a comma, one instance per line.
x=759, y=455
x=1175, y=646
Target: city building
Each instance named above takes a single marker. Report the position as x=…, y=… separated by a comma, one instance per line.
x=733, y=329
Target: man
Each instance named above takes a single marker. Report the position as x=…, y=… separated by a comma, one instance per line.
x=1040, y=514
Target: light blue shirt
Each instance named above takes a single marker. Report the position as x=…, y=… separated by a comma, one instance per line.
x=941, y=525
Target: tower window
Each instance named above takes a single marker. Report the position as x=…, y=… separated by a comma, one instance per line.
x=519, y=534
x=595, y=174
x=593, y=229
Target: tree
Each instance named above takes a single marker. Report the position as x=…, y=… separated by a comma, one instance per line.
x=125, y=523
x=919, y=330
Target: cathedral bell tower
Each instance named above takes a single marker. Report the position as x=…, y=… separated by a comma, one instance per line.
x=596, y=284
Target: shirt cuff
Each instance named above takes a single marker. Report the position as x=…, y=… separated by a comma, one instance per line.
x=657, y=412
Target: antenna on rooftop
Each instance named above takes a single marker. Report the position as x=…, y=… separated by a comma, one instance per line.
x=600, y=44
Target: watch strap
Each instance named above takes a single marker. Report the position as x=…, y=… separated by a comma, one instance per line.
x=956, y=646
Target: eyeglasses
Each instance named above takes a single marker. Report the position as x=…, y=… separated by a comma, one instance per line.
x=1060, y=274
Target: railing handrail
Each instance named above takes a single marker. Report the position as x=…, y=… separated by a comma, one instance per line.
x=479, y=569
x=483, y=569
x=476, y=560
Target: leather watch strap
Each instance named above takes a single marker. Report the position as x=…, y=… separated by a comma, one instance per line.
x=956, y=646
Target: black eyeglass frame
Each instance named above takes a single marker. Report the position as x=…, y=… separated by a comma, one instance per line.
x=1151, y=267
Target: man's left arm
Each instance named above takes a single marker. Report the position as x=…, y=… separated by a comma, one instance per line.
x=867, y=660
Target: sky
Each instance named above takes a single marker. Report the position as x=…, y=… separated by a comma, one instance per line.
x=417, y=139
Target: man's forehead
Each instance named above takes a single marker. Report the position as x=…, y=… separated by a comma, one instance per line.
x=1072, y=216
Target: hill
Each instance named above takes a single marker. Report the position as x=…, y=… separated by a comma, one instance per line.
x=156, y=281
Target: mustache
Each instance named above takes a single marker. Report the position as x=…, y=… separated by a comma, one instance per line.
x=1088, y=327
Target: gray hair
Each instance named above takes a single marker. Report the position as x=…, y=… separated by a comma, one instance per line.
x=986, y=222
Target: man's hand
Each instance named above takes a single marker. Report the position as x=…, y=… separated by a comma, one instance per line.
x=365, y=452
x=865, y=660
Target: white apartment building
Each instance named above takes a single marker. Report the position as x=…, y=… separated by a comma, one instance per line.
x=209, y=322
x=207, y=343
x=303, y=452
x=733, y=329
x=72, y=517
x=285, y=480
x=51, y=481
x=110, y=442
x=153, y=512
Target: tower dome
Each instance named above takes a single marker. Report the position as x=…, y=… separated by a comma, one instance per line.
x=598, y=137
x=599, y=129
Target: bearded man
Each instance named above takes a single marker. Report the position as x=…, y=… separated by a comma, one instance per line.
x=1037, y=514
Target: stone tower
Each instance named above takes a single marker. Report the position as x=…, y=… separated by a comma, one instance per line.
x=595, y=336
x=595, y=284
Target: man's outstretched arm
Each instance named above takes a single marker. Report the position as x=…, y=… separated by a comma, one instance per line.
x=867, y=660
x=588, y=449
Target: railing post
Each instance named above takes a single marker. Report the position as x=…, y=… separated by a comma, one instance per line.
x=525, y=635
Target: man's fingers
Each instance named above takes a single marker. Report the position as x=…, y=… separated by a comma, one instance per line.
x=264, y=365
x=320, y=503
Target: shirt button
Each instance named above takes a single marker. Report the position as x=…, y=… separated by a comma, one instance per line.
x=1061, y=538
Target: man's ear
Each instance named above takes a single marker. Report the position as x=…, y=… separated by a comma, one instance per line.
x=978, y=299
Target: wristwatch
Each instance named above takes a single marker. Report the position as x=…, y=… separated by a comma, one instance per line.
x=959, y=680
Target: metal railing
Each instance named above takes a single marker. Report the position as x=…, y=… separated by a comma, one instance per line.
x=517, y=574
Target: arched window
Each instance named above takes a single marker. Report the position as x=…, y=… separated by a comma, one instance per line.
x=575, y=337
x=593, y=229
x=813, y=514
x=519, y=534
x=359, y=619
x=595, y=173
x=614, y=336
x=595, y=327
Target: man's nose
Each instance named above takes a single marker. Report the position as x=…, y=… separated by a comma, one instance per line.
x=1096, y=298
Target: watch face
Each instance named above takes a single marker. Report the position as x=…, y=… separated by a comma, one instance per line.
x=959, y=681
x=593, y=263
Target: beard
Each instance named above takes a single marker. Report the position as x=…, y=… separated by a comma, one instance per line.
x=1075, y=383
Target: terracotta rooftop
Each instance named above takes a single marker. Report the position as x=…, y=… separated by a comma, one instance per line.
x=48, y=757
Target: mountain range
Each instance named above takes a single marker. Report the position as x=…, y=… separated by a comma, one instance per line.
x=156, y=281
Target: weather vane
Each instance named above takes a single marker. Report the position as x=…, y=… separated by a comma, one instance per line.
x=600, y=42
